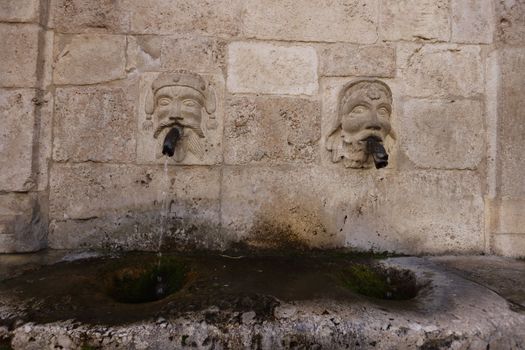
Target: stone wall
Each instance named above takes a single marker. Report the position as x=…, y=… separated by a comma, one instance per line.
x=80, y=167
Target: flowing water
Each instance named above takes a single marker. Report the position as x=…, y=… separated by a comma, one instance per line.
x=161, y=284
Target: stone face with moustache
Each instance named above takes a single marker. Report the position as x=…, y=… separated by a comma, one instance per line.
x=364, y=111
x=178, y=100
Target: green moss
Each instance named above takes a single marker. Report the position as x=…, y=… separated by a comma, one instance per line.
x=365, y=280
x=149, y=283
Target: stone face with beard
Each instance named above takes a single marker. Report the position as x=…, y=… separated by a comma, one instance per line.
x=365, y=107
x=181, y=106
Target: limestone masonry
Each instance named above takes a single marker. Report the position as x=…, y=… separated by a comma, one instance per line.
x=277, y=105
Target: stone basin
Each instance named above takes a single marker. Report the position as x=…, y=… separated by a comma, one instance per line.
x=259, y=301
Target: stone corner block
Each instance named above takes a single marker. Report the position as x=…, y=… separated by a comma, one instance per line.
x=89, y=58
x=272, y=69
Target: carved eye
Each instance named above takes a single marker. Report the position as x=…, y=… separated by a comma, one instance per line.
x=383, y=112
x=190, y=103
x=164, y=101
x=359, y=109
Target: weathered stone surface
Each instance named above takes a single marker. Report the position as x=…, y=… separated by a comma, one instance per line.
x=271, y=130
x=220, y=17
x=19, y=10
x=271, y=69
x=128, y=202
x=80, y=16
x=443, y=134
x=354, y=60
x=417, y=212
x=472, y=21
x=89, y=58
x=143, y=53
x=196, y=54
x=18, y=55
x=440, y=70
x=511, y=116
x=23, y=223
x=16, y=139
x=509, y=245
x=272, y=207
x=95, y=123
x=149, y=148
x=341, y=20
x=510, y=21
x=509, y=216
x=415, y=20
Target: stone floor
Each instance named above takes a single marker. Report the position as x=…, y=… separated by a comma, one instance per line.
x=468, y=302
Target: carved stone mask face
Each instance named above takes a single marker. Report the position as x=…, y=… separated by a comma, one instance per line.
x=178, y=105
x=366, y=113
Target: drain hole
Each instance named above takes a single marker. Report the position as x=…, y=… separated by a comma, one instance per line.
x=381, y=283
x=142, y=284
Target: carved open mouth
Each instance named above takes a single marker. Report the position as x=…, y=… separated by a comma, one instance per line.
x=165, y=125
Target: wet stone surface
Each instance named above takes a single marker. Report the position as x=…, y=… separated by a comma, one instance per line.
x=299, y=300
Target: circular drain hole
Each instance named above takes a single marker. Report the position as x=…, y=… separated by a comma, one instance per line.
x=379, y=282
x=150, y=282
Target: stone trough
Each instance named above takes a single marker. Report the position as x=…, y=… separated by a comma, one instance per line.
x=298, y=301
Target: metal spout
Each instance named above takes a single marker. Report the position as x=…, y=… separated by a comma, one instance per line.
x=375, y=148
x=170, y=141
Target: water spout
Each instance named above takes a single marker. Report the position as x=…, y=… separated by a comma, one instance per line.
x=374, y=147
x=170, y=141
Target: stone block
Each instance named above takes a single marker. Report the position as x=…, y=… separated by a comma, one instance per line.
x=275, y=207
x=193, y=53
x=511, y=245
x=443, y=134
x=354, y=60
x=144, y=53
x=149, y=149
x=511, y=118
x=472, y=21
x=218, y=17
x=415, y=20
x=82, y=16
x=271, y=130
x=131, y=206
x=19, y=10
x=316, y=20
x=23, y=223
x=510, y=21
x=95, y=123
x=271, y=69
x=440, y=70
x=89, y=58
x=16, y=139
x=19, y=54
x=412, y=212
x=509, y=216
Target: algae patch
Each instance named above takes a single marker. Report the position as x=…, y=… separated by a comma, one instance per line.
x=380, y=283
